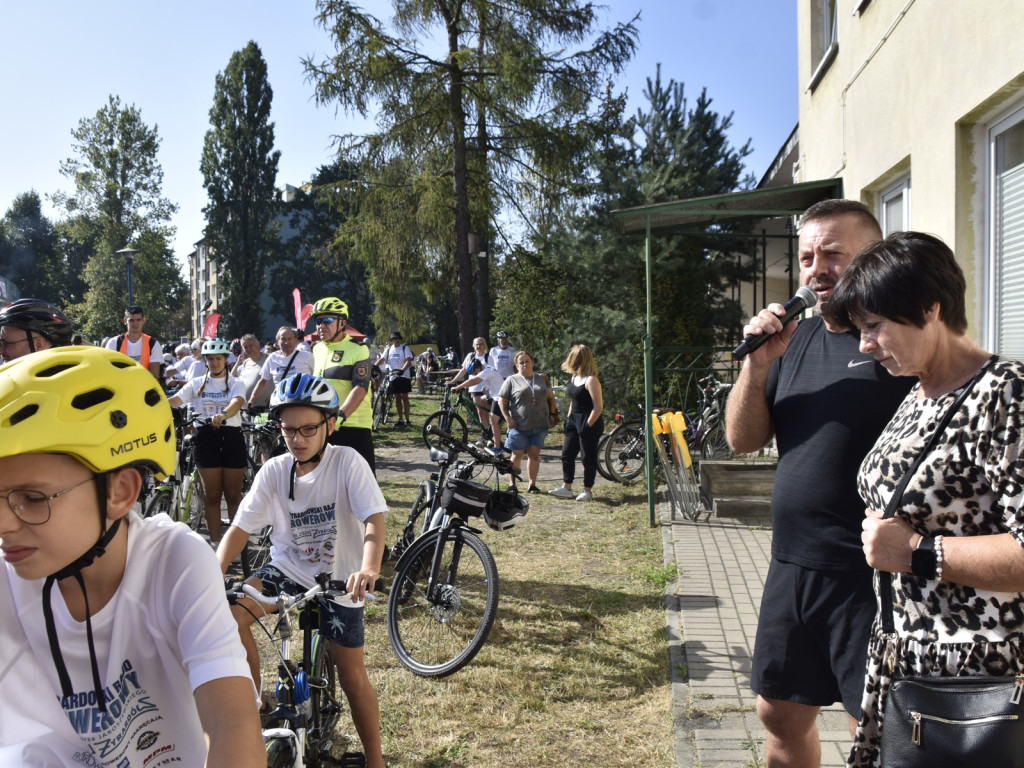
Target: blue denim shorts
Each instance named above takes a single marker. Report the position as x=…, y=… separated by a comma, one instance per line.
x=521, y=439
x=343, y=625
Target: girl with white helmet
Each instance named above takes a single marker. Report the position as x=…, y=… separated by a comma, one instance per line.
x=216, y=398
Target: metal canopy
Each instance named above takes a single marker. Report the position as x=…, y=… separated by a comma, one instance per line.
x=762, y=203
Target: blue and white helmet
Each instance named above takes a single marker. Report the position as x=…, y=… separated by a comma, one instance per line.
x=304, y=389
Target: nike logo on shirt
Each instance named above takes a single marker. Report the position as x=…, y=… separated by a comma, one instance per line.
x=855, y=363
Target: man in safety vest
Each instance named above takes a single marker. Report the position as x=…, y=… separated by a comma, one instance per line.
x=141, y=348
x=345, y=364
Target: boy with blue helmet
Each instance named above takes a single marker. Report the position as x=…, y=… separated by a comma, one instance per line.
x=326, y=513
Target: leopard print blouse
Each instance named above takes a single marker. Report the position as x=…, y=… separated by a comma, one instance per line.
x=971, y=484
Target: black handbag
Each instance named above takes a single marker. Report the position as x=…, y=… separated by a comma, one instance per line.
x=948, y=722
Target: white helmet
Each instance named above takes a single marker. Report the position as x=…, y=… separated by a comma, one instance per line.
x=504, y=509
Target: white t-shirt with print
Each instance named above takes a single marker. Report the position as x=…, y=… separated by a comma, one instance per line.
x=217, y=393
x=165, y=632
x=277, y=362
x=322, y=529
x=502, y=360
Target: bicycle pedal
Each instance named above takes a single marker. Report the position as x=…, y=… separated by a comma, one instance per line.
x=352, y=760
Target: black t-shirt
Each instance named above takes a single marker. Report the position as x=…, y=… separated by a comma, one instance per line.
x=829, y=402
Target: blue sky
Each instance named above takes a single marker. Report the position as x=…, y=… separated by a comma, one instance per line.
x=60, y=59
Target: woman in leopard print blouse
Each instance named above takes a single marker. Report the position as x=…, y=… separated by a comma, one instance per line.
x=958, y=606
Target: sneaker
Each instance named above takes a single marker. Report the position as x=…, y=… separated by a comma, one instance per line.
x=481, y=443
x=496, y=451
x=562, y=492
x=533, y=489
x=585, y=496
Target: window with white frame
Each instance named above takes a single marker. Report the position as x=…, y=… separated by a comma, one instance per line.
x=824, y=38
x=1005, y=310
x=894, y=207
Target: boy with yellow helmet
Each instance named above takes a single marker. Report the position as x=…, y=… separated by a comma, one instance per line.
x=135, y=649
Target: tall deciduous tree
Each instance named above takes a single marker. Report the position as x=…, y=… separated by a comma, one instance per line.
x=117, y=202
x=487, y=101
x=239, y=167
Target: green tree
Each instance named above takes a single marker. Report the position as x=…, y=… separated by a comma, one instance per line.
x=310, y=258
x=239, y=167
x=29, y=253
x=480, y=106
x=117, y=202
x=587, y=281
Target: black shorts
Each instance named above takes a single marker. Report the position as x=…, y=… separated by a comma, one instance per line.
x=400, y=385
x=812, y=636
x=220, y=448
x=359, y=438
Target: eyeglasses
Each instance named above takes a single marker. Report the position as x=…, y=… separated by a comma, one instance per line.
x=306, y=430
x=33, y=507
x=324, y=320
x=5, y=343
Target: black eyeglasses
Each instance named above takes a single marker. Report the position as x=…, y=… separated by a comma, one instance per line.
x=324, y=320
x=33, y=507
x=4, y=344
x=306, y=430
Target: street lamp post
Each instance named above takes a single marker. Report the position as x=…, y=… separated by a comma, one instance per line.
x=129, y=257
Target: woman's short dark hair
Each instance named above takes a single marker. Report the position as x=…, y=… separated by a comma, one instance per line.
x=900, y=278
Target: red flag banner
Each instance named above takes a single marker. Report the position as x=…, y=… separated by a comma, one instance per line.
x=210, y=329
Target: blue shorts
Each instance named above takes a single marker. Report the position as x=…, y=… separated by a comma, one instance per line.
x=338, y=623
x=521, y=439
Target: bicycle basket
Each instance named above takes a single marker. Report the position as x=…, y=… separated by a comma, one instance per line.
x=464, y=497
x=505, y=509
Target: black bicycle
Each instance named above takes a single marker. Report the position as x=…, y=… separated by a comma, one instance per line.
x=456, y=408
x=180, y=495
x=383, y=401
x=445, y=594
x=299, y=729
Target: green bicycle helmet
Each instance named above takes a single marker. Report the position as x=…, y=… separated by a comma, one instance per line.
x=330, y=305
x=215, y=347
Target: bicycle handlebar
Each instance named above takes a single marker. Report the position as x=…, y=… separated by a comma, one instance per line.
x=325, y=587
x=503, y=465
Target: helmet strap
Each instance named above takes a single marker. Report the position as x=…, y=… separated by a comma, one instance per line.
x=295, y=465
x=75, y=570
x=28, y=337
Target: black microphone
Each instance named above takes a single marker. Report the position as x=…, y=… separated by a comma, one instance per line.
x=805, y=299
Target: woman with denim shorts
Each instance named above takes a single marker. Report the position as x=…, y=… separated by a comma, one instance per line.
x=528, y=405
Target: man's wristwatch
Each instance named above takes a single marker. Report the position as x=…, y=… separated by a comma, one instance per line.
x=341, y=415
x=924, y=560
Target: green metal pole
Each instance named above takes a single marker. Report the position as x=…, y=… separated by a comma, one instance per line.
x=649, y=384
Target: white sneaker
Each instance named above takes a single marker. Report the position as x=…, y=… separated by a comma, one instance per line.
x=584, y=496
x=561, y=492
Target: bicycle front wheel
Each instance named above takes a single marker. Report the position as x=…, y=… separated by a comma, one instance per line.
x=446, y=421
x=280, y=753
x=325, y=702
x=256, y=553
x=193, y=507
x=380, y=409
x=437, y=635
x=162, y=501
x=625, y=452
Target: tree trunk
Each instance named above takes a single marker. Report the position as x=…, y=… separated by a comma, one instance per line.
x=463, y=260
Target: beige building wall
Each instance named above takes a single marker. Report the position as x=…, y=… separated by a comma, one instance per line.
x=912, y=88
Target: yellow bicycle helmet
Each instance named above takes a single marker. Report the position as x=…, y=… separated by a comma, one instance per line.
x=95, y=404
x=330, y=306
